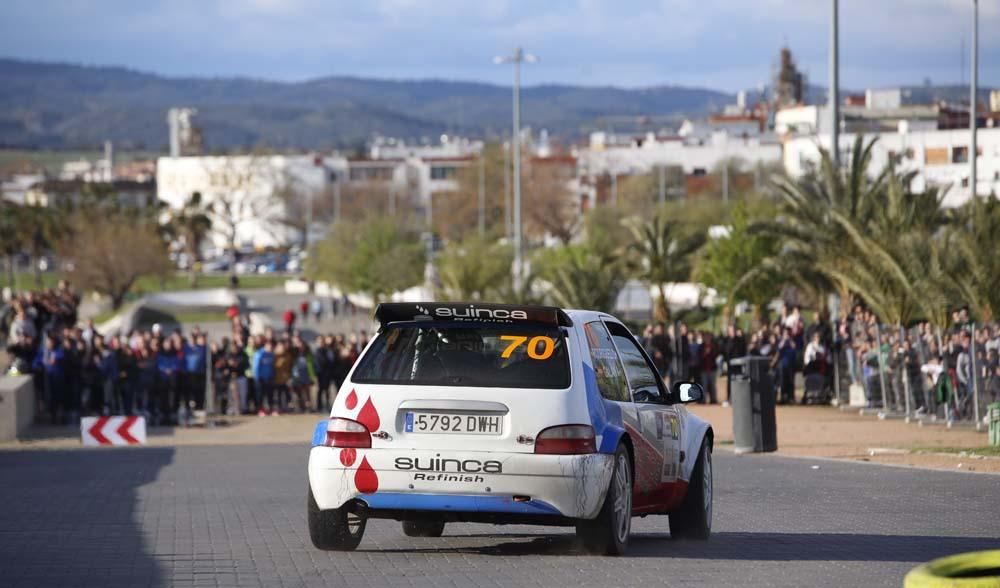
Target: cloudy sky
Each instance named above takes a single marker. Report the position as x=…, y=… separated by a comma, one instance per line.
x=725, y=44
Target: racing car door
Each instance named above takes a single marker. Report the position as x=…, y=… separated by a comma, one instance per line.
x=659, y=425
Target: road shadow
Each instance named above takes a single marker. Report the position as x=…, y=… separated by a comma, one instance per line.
x=72, y=517
x=735, y=546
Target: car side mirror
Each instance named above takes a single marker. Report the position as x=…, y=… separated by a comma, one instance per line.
x=686, y=392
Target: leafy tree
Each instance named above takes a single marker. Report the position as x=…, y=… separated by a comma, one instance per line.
x=723, y=261
x=378, y=257
x=191, y=224
x=475, y=269
x=456, y=214
x=114, y=254
x=548, y=207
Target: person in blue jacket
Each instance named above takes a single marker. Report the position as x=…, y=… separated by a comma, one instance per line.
x=195, y=359
x=50, y=362
x=263, y=374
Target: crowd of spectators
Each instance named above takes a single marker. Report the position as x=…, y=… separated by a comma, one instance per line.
x=934, y=372
x=167, y=375
x=925, y=371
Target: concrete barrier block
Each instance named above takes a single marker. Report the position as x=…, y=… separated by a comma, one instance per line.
x=17, y=406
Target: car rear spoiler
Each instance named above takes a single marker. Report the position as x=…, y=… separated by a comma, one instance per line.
x=392, y=312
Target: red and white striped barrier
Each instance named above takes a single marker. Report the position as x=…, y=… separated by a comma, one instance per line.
x=116, y=430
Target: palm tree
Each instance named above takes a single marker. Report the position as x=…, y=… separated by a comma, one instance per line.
x=972, y=263
x=661, y=252
x=814, y=216
x=191, y=223
x=475, y=269
x=585, y=277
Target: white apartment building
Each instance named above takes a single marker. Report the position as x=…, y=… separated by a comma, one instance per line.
x=697, y=153
x=253, y=183
x=249, y=183
x=939, y=156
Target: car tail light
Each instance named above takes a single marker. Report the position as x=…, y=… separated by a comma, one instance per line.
x=566, y=440
x=347, y=433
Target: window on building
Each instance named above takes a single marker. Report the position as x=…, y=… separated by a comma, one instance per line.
x=698, y=172
x=936, y=155
x=370, y=173
x=442, y=172
x=965, y=182
x=960, y=155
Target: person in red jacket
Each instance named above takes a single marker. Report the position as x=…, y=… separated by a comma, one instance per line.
x=289, y=319
x=304, y=310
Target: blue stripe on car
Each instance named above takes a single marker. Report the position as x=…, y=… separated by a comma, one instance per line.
x=605, y=415
x=319, y=433
x=456, y=503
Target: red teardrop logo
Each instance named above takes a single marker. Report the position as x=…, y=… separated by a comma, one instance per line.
x=369, y=416
x=352, y=400
x=348, y=455
x=365, y=478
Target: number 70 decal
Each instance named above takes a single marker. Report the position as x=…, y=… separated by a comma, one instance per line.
x=547, y=343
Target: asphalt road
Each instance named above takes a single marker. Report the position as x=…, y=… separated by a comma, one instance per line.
x=235, y=516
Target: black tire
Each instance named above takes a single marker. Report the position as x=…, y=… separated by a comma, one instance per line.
x=423, y=528
x=608, y=533
x=693, y=520
x=335, y=529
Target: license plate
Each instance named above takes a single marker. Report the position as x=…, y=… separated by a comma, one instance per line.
x=459, y=424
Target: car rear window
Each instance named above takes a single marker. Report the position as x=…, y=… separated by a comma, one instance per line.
x=492, y=355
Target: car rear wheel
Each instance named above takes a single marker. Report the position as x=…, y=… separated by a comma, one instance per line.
x=693, y=520
x=608, y=533
x=335, y=529
x=423, y=528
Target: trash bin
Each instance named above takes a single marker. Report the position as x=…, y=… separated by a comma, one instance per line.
x=993, y=411
x=752, y=400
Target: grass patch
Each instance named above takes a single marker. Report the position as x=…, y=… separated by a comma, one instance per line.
x=151, y=284
x=987, y=450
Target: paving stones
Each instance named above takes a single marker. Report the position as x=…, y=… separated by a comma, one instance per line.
x=235, y=516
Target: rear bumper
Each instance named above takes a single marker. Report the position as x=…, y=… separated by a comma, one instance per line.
x=458, y=482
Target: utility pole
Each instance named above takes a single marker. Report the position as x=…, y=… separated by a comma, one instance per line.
x=516, y=58
x=834, y=88
x=482, y=193
x=662, y=197
x=973, y=90
x=336, y=197
x=507, y=221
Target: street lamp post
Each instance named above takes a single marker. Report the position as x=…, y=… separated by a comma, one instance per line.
x=834, y=88
x=516, y=58
x=482, y=193
x=973, y=89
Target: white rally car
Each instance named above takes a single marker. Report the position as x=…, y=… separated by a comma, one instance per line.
x=507, y=414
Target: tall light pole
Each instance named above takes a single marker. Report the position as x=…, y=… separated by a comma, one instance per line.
x=482, y=192
x=516, y=58
x=834, y=88
x=973, y=89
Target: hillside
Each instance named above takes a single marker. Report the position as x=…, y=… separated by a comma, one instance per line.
x=49, y=105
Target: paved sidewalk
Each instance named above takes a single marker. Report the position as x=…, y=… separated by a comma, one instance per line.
x=824, y=431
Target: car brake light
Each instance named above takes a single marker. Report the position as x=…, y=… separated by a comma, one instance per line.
x=566, y=440
x=347, y=433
